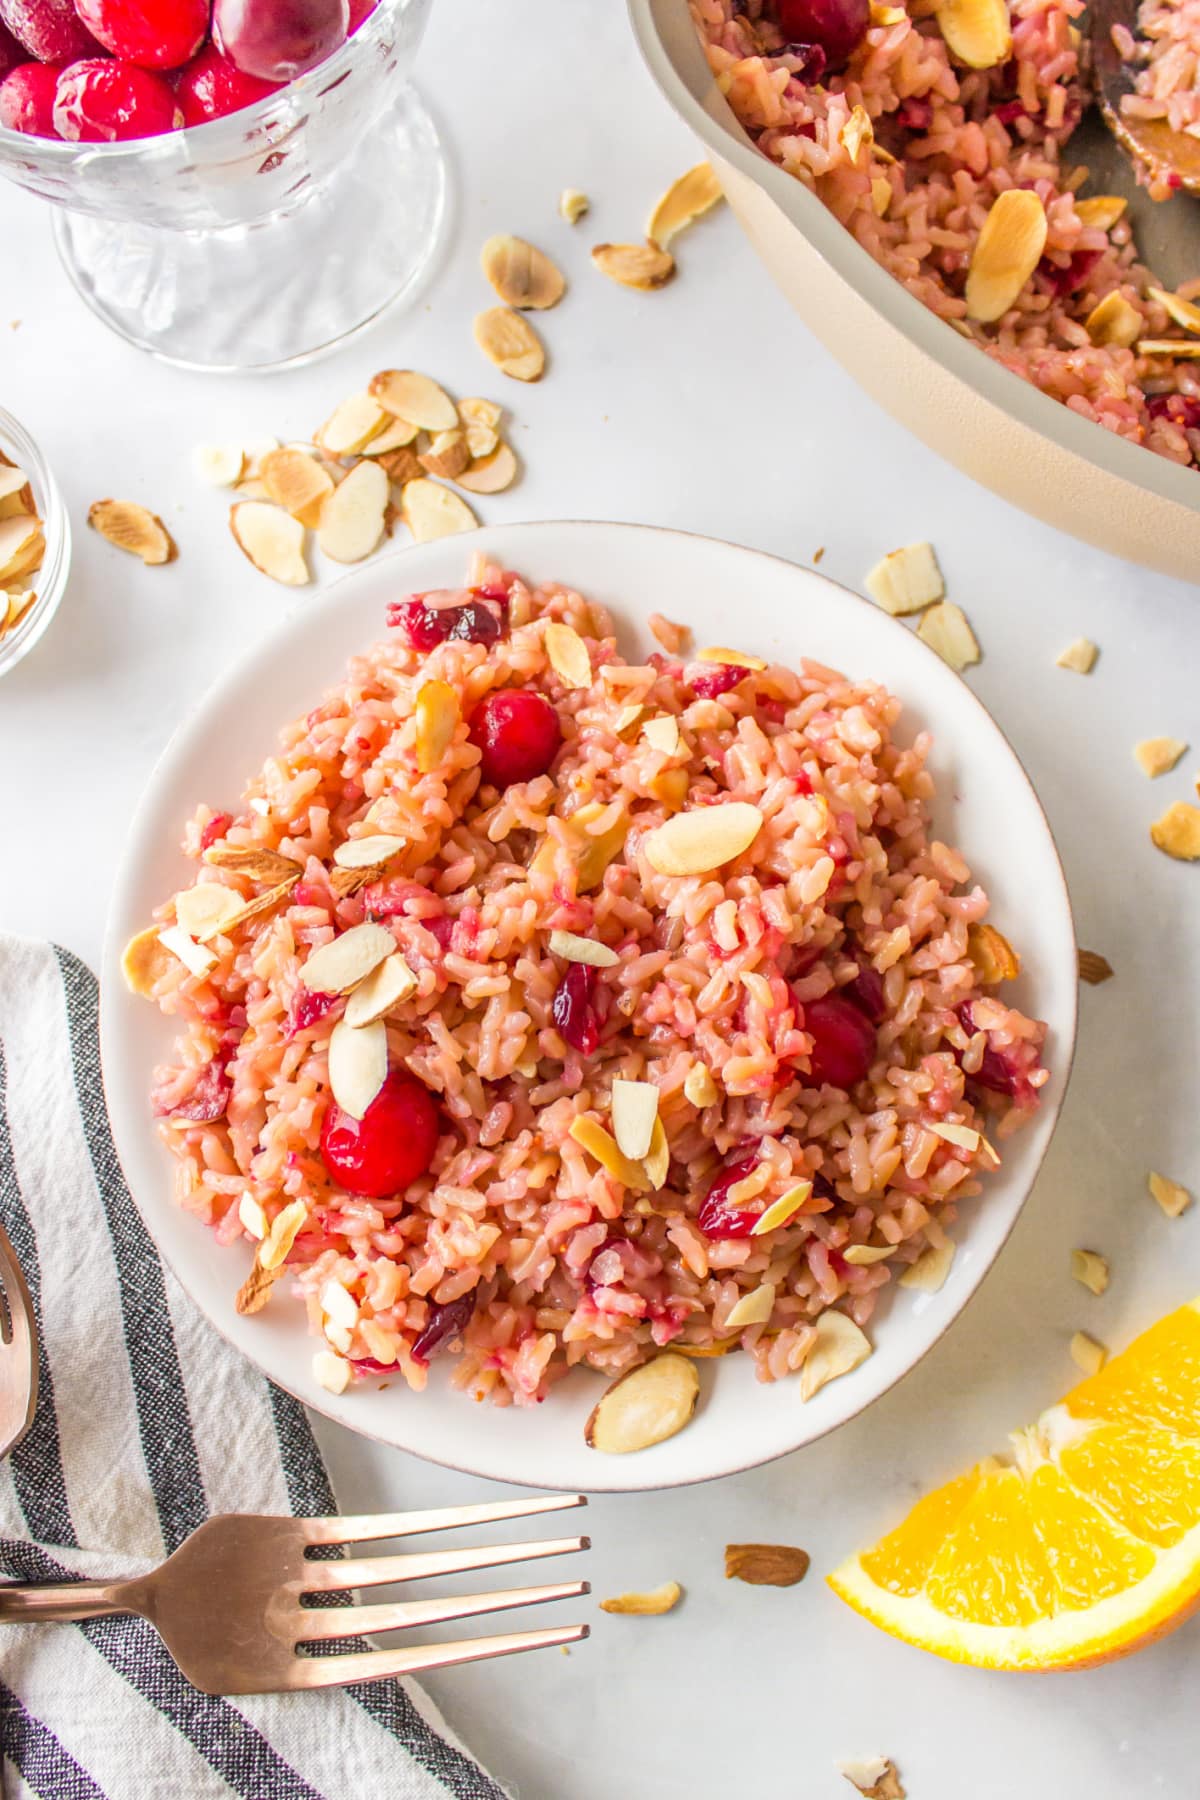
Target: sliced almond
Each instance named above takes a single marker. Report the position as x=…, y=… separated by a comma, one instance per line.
x=332, y=1372
x=490, y=474
x=144, y=961
x=1094, y=968
x=1100, y=210
x=194, y=957
x=252, y=488
x=1088, y=1355
x=351, y=881
x=963, y=1137
x=626, y=719
x=766, y=1565
x=601, y=1144
x=219, y=464
x=367, y=852
x=276, y=1247
x=634, y=1107
x=906, y=580
x=875, y=1777
x=754, y=1308
x=387, y=986
x=481, y=440
x=351, y=426
x=945, y=628
x=521, y=274
x=16, y=604
x=19, y=538
x=437, y=717
x=977, y=32
x=252, y=1216
x=249, y=909
x=1114, y=320
x=1175, y=347
x=699, y=1087
x=688, y=198
x=737, y=659
x=572, y=204
x=133, y=528
x=642, y=266
x=857, y=131
x=568, y=655
x=839, y=1347
x=358, y=1064
x=659, y=1600
x=657, y=1160
x=255, y=1291
x=474, y=411
x=930, y=1270
x=881, y=193
x=1007, y=251
x=703, y=838
x=402, y=466
x=352, y=515
x=644, y=1407
x=582, y=950
x=205, y=908
x=433, y=511
x=1090, y=1270
x=297, y=482
x=272, y=539
x=992, y=954
x=662, y=733
x=415, y=397
x=1080, y=656
x=348, y=959
x=447, y=454
x=1158, y=756
x=256, y=865
x=782, y=1211
x=510, y=341
x=1171, y=1196
x=1177, y=309
x=1177, y=833
x=861, y=1256
x=397, y=434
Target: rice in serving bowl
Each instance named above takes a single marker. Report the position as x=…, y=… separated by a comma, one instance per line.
x=520, y=1246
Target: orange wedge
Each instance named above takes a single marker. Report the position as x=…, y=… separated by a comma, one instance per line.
x=1083, y=1547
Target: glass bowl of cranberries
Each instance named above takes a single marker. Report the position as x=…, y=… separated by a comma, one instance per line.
x=239, y=183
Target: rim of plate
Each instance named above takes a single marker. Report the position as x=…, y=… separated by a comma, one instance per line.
x=613, y=1474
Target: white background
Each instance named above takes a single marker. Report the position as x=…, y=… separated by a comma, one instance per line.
x=706, y=406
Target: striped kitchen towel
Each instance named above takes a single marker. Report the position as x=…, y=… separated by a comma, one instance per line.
x=147, y=1422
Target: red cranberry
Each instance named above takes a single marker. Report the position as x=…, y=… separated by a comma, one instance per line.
x=707, y=680
x=838, y=26
x=813, y=62
x=215, y=830
x=866, y=992
x=360, y=12
x=823, y=1188
x=1009, y=111
x=443, y=1323
x=279, y=40
x=309, y=1008
x=51, y=30
x=1181, y=409
x=211, y=88
x=717, y=1218
x=27, y=99
x=394, y=1141
x=519, y=734
x=573, y=1009
x=1065, y=280
x=915, y=115
x=424, y=627
x=108, y=102
x=843, y=1042
x=156, y=34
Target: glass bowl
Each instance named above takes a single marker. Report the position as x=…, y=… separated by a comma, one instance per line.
x=51, y=580
x=265, y=237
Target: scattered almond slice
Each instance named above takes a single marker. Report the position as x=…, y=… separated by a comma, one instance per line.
x=347, y=959
x=1100, y=210
x=702, y=839
x=599, y=1143
x=133, y=528
x=963, y=1137
x=437, y=716
x=875, y=1777
x=592, y=852
x=331, y=1371
x=389, y=984
x=699, y=1088
x=572, y=204
x=1177, y=833
x=568, y=655
x=1180, y=350
x=358, y=1064
x=366, y=852
x=15, y=482
x=839, y=1347
x=1114, y=320
x=642, y=266
x=15, y=606
x=627, y=718
x=928, y=1274
x=644, y=1407
x=397, y=434
x=582, y=950
x=977, y=32
x=252, y=1216
x=352, y=515
x=414, y=397
x=857, y=132
x=144, y=961
x=658, y=1600
x=754, y=1308
x=1094, y=968
x=447, y=454
x=736, y=659
x=509, y=340
x=272, y=539
x=248, y=909
x=662, y=733
x=781, y=1211
x=433, y=511
x=276, y=1247
x=906, y=580
x=946, y=630
x=255, y=1291
x=1087, y=1354
x=194, y=957
x=1158, y=756
x=352, y=425
x=992, y=954
x=688, y=198
x=1079, y=656
x=22, y=549
x=766, y=1565
x=657, y=1160
x=490, y=473
x=881, y=193
x=338, y=1305
x=481, y=440
x=1090, y=1269
x=255, y=864
x=634, y=1108
x=297, y=482
x=1171, y=1196
x=204, y=909
x=1007, y=251
x=521, y=274
x=219, y=464
x=1177, y=309
x=861, y=1256
x=351, y=881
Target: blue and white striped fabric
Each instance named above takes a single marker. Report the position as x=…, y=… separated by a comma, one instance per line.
x=147, y=1422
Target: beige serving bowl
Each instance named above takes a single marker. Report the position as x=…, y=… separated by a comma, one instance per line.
x=986, y=421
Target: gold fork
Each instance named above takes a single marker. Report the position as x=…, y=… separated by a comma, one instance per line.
x=227, y=1604
x=18, y=1351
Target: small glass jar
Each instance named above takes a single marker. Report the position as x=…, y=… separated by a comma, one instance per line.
x=51, y=579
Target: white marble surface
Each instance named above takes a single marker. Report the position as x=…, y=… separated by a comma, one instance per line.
x=705, y=406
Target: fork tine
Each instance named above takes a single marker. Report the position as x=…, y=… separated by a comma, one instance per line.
x=318, y=1624
x=376, y=1571
x=355, y=1528
x=376, y=1665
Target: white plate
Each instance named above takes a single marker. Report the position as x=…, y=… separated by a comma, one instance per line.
x=727, y=594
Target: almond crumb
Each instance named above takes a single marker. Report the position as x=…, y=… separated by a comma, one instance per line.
x=1177, y=833
x=658, y=1600
x=1158, y=756
x=1090, y=1269
x=1170, y=1195
x=945, y=628
x=1087, y=1354
x=875, y=1777
x=1079, y=656
x=572, y=205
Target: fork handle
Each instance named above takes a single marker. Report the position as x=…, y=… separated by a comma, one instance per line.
x=32, y=1603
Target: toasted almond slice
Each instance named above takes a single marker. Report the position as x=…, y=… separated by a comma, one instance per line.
x=721, y=1347
x=1006, y=253
x=930, y=1270
x=839, y=1347
x=474, y=411
x=1101, y=210
x=27, y=559
x=352, y=514
x=601, y=1144
x=977, y=32
x=1157, y=756
x=875, y=1777
x=1080, y=656
x=657, y=1160
x=350, y=881
x=447, y=454
x=906, y=580
x=133, y=528
x=634, y=1107
x=945, y=628
x=521, y=274
x=781, y=1211
x=626, y=719
x=699, y=1088
x=568, y=655
x=144, y=961
x=1114, y=320
x=204, y=909
x=510, y=341
x=662, y=733
x=256, y=865
x=415, y=397
x=754, y=1308
x=658, y=1600
x=433, y=511
x=18, y=539
x=582, y=950
x=490, y=474
x=332, y=1372
x=338, y=1304
x=348, y=959
x=437, y=717
x=402, y=466
x=219, y=464
x=367, y=852
x=194, y=957
x=481, y=440
x=255, y=1291
x=963, y=1137
x=881, y=194
x=252, y=1216
x=351, y=426
x=1178, y=831
x=1087, y=1354
x=766, y=1565
x=1181, y=350
x=857, y=131
x=12, y=481
x=688, y=198
x=644, y=1407
x=388, y=985
x=737, y=659
x=297, y=482
x=1090, y=1269
x=642, y=266
x=272, y=539
x=992, y=954
x=1094, y=968
x=1171, y=1196
x=861, y=1256
x=16, y=605
x=285, y=1228
x=1181, y=311
x=703, y=838
x=397, y=434
x=358, y=1064
x=248, y=909
x=572, y=205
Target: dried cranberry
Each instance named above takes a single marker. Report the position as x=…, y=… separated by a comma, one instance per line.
x=1009, y=111
x=425, y=626
x=843, y=1042
x=51, y=30
x=215, y=830
x=27, y=98
x=995, y=1072
x=914, y=115
x=108, y=102
x=717, y=1218
x=309, y=1008
x=390, y=1146
x=211, y=88
x=209, y=1098
x=812, y=59
x=573, y=1009
x=838, y=26
x=11, y=53
x=866, y=992
x=444, y=1323
x=707, y=680
x=518, y=733
x=1065, y=279
x=1179, y=409
x=371, y=1365
x=156, y=34
x=823, y=1188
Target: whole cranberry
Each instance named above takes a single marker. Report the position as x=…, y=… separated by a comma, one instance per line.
x=518, y=733
x=843, y=1041
x=211, y=88
x=27, y=99
x=717, y=1218
x=51, y=30
x=155, y=34
x=279, y=39
x=394, y=1141
x=838, y=26
x=109, y=102
x=360, y=12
